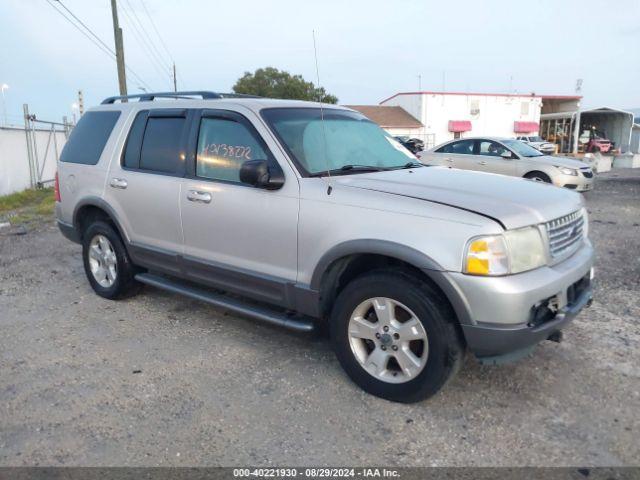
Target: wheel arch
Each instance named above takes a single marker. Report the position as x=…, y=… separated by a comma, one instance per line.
x=91, y=208
x=348, y=260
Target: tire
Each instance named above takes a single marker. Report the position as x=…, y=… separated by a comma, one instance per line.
x=444, y=348
x=538, y=177
x=102, y=244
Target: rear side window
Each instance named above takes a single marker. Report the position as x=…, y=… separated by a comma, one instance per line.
x=161, y=144
x=88, y=138
x=156, y=142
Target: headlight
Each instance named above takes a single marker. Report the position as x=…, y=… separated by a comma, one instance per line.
x=514, y=251
x=568, y=171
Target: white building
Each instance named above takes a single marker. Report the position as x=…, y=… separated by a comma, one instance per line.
x=449, y=115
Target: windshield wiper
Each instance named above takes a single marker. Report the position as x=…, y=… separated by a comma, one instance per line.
x=354, y=166
x=412, y=164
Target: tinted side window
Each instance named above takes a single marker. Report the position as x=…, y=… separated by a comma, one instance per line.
x=223, y=146
x=89, y=137
x=131, y=156
x=161, y=145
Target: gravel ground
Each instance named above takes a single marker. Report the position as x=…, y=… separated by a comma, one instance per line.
x=163, y=380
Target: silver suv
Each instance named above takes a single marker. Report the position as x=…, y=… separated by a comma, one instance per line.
x=506, y=156
x=306, y=215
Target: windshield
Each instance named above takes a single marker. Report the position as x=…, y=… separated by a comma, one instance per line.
x=536, y=139
x=346, y=142
x=522, y=149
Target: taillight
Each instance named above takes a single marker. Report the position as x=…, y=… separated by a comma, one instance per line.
x=56, y=189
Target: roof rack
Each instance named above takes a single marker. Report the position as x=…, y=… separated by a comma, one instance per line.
x=150, y=96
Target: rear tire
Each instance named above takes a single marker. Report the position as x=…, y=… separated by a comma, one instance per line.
x=107, y=263
x=538, y=177
x=400, y=359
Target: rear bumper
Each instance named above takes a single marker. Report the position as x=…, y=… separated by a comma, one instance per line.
x=69, y=231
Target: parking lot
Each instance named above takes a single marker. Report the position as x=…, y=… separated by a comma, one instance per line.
x=162, y=380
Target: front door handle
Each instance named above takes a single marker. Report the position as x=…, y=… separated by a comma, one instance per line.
x=449, y=159
x=199, y=197
x=119, y=183
x=482, y=163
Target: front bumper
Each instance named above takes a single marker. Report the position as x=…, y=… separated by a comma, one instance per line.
x=579, y=182
x=501, y=309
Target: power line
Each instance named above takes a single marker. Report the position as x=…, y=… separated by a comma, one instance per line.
x=158, y=65
x=144, y=6
x=148, y=40
x=93, y=38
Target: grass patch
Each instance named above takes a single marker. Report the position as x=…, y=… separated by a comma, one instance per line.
x=28, y=206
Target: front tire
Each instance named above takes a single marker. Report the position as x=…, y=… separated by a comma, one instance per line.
x=106, y=262
x=395, y=336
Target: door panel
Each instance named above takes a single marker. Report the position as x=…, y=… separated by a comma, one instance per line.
x=144, y=186
x=488, y=158
x=234, y=234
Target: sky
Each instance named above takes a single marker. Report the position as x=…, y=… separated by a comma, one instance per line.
x=368, y=50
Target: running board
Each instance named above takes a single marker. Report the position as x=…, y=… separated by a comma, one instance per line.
x=260, y=313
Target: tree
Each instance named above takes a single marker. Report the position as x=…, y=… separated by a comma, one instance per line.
x=273, y=83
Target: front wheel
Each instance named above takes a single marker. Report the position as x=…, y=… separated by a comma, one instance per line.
x=395, y=336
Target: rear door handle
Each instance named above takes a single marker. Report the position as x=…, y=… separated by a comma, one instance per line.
x=482, y=163
x=199, y=197
x=449, y=159
x=119, y=183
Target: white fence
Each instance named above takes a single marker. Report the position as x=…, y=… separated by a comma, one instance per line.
x=18, y=169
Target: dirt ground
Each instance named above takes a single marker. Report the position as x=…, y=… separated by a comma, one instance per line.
x=162, y=380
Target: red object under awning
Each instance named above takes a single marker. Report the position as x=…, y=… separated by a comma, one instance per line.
x=525, y=127
x=459, y=125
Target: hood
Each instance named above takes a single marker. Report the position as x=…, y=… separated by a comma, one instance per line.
x=558, y=161
x=513, y=202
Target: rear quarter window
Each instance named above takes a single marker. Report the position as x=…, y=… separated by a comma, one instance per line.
x=88, y=138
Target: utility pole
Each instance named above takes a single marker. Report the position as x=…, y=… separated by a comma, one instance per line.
x=117, y=34
x=80, y=102
x=576, y=127
x=175, y=82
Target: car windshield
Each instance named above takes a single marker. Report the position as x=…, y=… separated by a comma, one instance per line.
x=522, y=149
x=336, y=140
x=536, y=139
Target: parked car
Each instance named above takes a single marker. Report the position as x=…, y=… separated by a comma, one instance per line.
x=314, y=217
x=539, y=143
x=594, y=141
x=414, y=145
x=510, y=157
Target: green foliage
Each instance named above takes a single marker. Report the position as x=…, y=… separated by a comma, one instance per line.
x=27, y=206
x=273, y=83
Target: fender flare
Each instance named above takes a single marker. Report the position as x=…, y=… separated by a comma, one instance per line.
x=93, y=201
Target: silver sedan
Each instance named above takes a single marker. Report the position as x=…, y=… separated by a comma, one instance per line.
x=510, y=157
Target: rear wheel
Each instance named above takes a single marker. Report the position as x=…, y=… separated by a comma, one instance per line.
x=395, y=336
x=538, y=177
x=106, y=262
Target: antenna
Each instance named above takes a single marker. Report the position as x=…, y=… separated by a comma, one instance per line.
x=324, y=133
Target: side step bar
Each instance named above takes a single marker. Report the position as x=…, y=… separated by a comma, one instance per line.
x=269, y=316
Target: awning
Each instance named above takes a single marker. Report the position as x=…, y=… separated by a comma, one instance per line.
x=525, y=127
x=459, y=126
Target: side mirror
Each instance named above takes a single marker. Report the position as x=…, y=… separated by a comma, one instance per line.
x=507, y=155
x=259, y=174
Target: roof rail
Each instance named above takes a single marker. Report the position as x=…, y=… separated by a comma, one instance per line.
x=150, y=96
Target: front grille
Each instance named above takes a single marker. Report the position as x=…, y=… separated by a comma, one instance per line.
x=587, y=173
x=565, y=234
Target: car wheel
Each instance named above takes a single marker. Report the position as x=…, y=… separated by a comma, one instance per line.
x=106, y=262
x=395, y=336
x=538, y=177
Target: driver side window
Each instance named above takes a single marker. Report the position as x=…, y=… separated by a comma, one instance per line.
x=491, y=149
x=223, y=146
